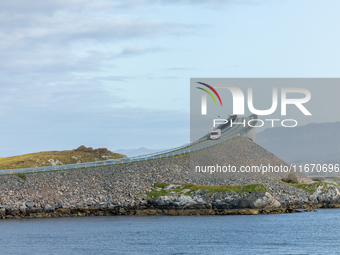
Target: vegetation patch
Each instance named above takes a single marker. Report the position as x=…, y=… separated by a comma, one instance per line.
x=310, y=188
x=47, y=158
x=326, y=179
x=156, y=193
x=317, y=179
x=22, y=176
x=189, y=188
x=292, y=179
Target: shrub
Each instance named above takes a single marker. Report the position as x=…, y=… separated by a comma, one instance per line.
x=84, y=149
x=90, y=149
x=22, y=176
x=101, y=150
x=291, y=178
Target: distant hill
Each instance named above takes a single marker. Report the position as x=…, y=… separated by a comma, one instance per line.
x=315, y=142
x=137, y=152
x=52, y=158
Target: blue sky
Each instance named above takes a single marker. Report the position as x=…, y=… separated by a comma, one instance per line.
x=116, y=74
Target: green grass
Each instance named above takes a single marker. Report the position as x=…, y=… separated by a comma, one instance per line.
x=40, y=159
x=310, y=188
x=22, y=176
x=160, y=191
x=154, y=193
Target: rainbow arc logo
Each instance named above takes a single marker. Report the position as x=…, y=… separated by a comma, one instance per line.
x=209, y=93
x=204, y=97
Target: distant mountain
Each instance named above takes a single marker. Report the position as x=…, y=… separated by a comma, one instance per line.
x=137, y=152
x=315, y=142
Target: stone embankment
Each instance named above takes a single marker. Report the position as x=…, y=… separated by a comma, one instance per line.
x=326, y=195
x=121, y=189
x=200, y=202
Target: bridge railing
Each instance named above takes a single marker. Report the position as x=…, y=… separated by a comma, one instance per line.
x=184, y=149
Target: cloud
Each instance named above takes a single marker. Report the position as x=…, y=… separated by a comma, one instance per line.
x=43, y=99
x=178, y=69
x=113, y=78
x=48, y=7
x=129, y=51
x=57, y=52
x=169, y=77
x=212, y=3
x=71, y=39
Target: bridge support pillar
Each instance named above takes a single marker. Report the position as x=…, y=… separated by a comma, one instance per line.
x=251, y=134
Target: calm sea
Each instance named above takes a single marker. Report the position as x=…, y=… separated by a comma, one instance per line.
x=300, y=233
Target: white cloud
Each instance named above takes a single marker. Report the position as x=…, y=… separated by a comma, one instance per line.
x=132, y=51
x=71, y=41
x=48, y=7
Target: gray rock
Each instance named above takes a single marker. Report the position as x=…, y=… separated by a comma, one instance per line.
x=184, y=200
x=327, y=194
x=171, y=186
x=2, y=211
x=22, y=209
x=29, y=205
x=267, y=202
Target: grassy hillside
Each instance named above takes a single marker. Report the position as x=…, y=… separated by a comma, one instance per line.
x=50, y=158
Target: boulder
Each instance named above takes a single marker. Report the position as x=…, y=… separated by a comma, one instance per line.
x=267, y=201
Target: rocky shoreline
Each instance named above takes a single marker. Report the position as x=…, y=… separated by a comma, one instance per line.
x=180, y=203
x=118, y=210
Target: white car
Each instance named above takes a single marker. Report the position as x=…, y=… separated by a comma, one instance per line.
x=215, y=134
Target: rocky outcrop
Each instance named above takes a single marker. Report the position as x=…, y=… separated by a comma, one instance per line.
x=54, y=162
x=217, y=200
x=267, y=202
x=328, y=194
x=325, y=196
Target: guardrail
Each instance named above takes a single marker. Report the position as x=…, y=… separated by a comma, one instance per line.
x=184, y=149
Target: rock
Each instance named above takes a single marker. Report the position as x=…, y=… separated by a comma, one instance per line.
x=22, y=209
x=54, y=162
x=199, y=200
x=184, y=200
x=29, y=205
x=162, y=201
x=171, y=186
x=2, y=211
x=328, y=194
x=64, y=210
x=267, y=202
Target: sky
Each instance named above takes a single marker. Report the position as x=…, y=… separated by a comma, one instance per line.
x=116, y=74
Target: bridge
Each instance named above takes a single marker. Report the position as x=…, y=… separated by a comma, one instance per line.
x=228, y=133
